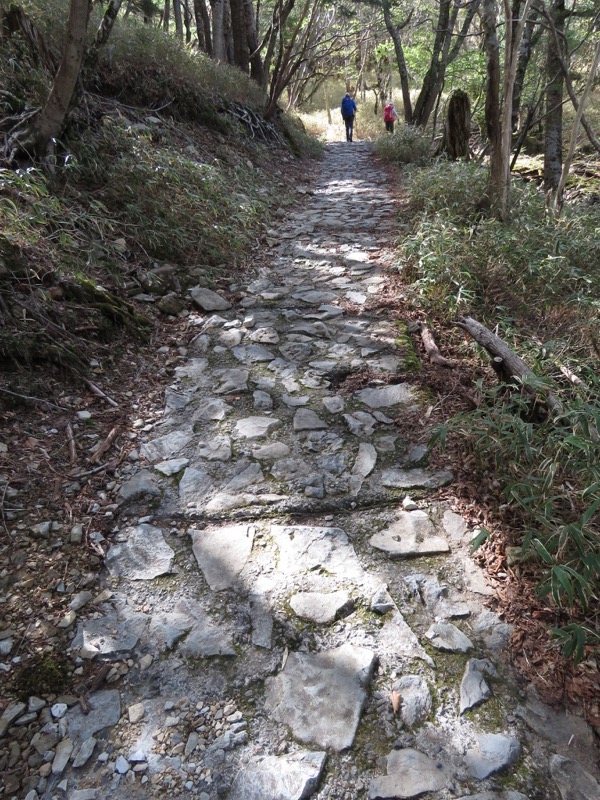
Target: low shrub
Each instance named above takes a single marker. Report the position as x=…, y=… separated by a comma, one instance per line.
x=407, y=145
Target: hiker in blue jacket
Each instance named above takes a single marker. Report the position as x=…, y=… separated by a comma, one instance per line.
x=348, y=112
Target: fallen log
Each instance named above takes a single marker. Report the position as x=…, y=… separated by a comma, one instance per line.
x=431, y=348
x=505, y=362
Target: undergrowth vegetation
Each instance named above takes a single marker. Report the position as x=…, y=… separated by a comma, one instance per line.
x=536, y=281
x=157, y=186
x=407, y=145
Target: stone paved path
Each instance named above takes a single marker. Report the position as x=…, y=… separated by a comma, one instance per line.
x=281, y=619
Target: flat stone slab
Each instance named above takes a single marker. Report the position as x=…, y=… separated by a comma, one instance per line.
x=108, y=635
x=255, y=427
x=105, y=711
x=321, y=696
x=397, y=637
x=570, y=735
x=164, y=447
x=308, y=550
x=507, y=795
x=415, y=699
x=320, y=607
x=208, y=300
x=412, y=534
x=447, y=637
x=496, y=752
x=140, y=485
x=474, y=688
x=315, y=297
x=252, y=353
x=171, y=467
x=194, y=486
x=144, y=556
x=231, y=381
x=409, y=774
x=415, y=478
x=293, y=777
x=222, y=553
x=307, y=420
x=391, y=395
x=573, y=781
x=216, y=449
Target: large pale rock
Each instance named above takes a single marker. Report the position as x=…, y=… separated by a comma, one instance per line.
x=308, y=550
x=397, y=637
x=473, y=687
x=61, y=756
x=208, y=300
x=437, y=598
x=109, y=635
x=231, y=381
x=293, y=777
x=316, y=297
x=307, y=420
x=252, y=353
x=192, y=371
x=213, y=409
x=391, y=395
x=202, y=637
x=10, y=713
x=105, y=711
x=255, y=427
x=573, y=781
x=216, y=449
x=141, y=485
x=194, y=486
x=320, y=696
x=320, y=607
x=222, y=553
x=415, y=699
x=570, y=735
x=412, y=534
x=409, y=774
x=144, y=556
x=415, y=478
x=166, y=446
x=447, y=637
x=496, y=751
x=507, y=795
x=270, y=452
x=363, y=466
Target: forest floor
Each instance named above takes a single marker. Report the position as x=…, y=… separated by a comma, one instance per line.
x=296, y=409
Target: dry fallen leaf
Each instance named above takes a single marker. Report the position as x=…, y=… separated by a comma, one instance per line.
x=396, y=699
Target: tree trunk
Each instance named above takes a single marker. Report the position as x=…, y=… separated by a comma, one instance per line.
x=34, y=138
x=241, y=55
x=527, y=43
x=554, y=98
x=256, y=64
x=558, y=200
x=492, y=100
x=394, y=32
x=218, y=32
x=427, y=95
x=166, y=15
x=178, y=19
x=187, y=21
x=457, y=129
x=203, y=26
x=102, y=34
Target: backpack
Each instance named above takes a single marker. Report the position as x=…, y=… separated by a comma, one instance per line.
x=388, y=113
x=348, y=107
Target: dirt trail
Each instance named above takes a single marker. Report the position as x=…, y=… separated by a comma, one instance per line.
x=286, y=611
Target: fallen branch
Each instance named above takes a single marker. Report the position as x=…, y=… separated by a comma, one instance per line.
x=33, y=399
x=97, y=391
x=91, y=471
x=431, y=348
x=505, y=362
x=71, y=443
x=105, y=445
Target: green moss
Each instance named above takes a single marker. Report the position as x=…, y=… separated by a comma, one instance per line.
x=44, y=674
